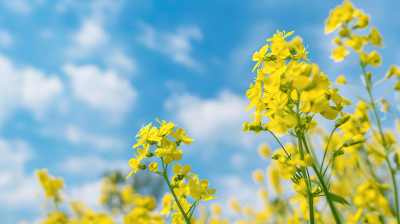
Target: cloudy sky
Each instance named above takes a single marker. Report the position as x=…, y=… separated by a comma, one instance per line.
x=79, y=78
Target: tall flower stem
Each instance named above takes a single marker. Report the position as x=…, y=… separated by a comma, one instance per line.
x=324, y=187
x=368, y=86
x=310, y=197
x=187, y=220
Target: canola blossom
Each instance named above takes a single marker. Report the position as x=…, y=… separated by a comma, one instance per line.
x=346, y=175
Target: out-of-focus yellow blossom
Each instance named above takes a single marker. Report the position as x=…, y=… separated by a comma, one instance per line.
x=258, y=176
x=393, y=70
x=56, y=218
x=235, y=205
x=264, y=150
x=363, y=19
x=370, y=218
x=216, y=209
x=353, y=219
x=295, y=41
x=369, y=197
x=50, y=184
x=375, y=37
x=167, y=204
x=339, y=53
x=374, y=58
x=356, y=42
x=342, y=13
x=341, y=80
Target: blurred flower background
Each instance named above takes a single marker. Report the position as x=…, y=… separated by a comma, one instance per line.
x=79, y=77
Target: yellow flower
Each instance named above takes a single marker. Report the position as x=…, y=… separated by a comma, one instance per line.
x=143, y=134
x=181, y=136
x=200, y=191
x=216, y=209
x=167, y=204
x=393, y=70
x=341, y=80
x=235, y=205
x=258, y=176
x=374, y=58
x=264, y=150
x=296, y=41
x=50, y=184
x=181, y=173
x=339, y=53
x=168, y=151
x=356, y=42
x=301, y=53
x=282, y=122
x=153, y=167
x=375, y=37
x=363, y=19
x=279, y=36
x=165, y=128
x=259, y=56
x=134, y=163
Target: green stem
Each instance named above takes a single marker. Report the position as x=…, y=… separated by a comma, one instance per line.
x=326, y=150
x=280, y=144
x=194, y=207
x=173, y=194
x=326, y=191
x=310, y=197
x=368, y=86
x=396, y=199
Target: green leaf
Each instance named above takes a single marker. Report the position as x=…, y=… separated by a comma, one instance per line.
x=338, y=199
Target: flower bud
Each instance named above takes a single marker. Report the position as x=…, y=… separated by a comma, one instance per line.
x=344, y=32
x=396, y=158
x=337, y=153
x=150, y=154
x=368, y=75
x=393, y=70
x=397, y=85
x=142, y=166
x=357, y=139
x=246, y=126
x=341, y=120
x=153, y=167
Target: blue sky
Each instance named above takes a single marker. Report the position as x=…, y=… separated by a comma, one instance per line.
x=79, y=78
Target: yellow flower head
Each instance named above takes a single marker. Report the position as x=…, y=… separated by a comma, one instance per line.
x=168, y=151
x=50, y=184
x=200, y=191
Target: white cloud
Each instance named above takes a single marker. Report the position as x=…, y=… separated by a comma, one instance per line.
x=26, y=87
x=18, y=189
x=90, y=35
x=38, y=90
x=102, y=90
x=175, y=45
x=88, y=192
x=6, y=40
x=216, y=119
x=92, y=165
x=101, y=142
x=121, y=61
x=18, y=6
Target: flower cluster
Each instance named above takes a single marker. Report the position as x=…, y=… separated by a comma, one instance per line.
x=167, y=150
